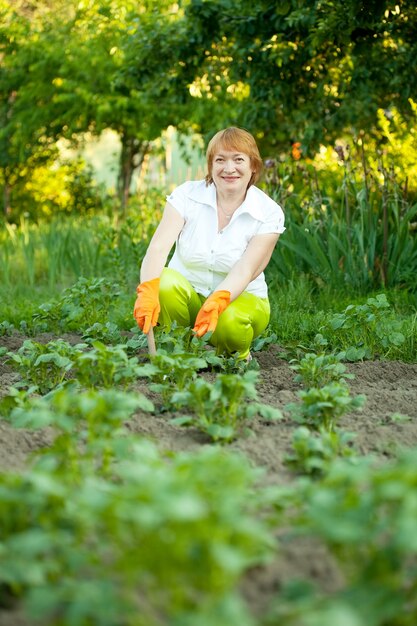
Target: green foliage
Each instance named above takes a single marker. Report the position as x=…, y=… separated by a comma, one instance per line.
x=321, y=407
x=85, y=423
x=105, y=366
x=365, y=330
x=366, y=516
x=108, y=333
x=317, y=370
x=223, y=408
x=313, y=452
x=172, y=536
x=43, y=366
x=330, y=65
x=174, y=373
x=85, y=303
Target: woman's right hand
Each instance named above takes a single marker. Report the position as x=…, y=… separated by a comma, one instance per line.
x=147, y=307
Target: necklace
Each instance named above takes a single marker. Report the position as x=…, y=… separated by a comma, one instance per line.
x=228, y=215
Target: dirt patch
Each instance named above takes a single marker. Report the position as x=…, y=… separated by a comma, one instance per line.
x=390, y=389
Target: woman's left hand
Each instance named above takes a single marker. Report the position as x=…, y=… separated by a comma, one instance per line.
x=209, y=313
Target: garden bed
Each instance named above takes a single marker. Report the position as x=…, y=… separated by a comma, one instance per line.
x=387, y=422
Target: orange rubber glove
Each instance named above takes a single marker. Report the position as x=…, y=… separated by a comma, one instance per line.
x=146, y=311
x=208, y=315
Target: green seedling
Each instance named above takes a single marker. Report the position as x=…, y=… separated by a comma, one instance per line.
x=173, y=372
x=106, y=333
x=16, y=398
x=6, y=329
x=105, y=366
x=312, y=452
x=86, y=422
x=321, y=408
x=398, y=418
x=81, y=306
x=44, y=365
x=221, y=409
x=365, y=514
x=263, y=341
x=318, y=370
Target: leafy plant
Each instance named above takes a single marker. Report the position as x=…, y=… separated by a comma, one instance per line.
x=106, y=333
x=317, y=370
x=365, y=330
x=164, y=539
x=105, y=366
x=173, y=372
x=88, y=301
x=86, y=422
x=321, y=407
x=365, y=514
x=16, y=398
x=44, y=365
x=6, y=328
x=312, y=452
x=221, y=409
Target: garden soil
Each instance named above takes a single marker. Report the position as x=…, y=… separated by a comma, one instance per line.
x=390, y=389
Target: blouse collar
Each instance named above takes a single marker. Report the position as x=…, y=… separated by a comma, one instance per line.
x=207, y=195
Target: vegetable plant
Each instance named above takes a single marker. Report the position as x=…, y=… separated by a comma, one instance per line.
x=162, y=539
x=105, y=366
x=85, y=422
x=313, y=451
x=365, y=330
x=173, y=372
x=106, y=333
x=44, y=365
x=365, y=514
x=322, y=407
x=317, y=370
x=87, y=302
x=221, y=409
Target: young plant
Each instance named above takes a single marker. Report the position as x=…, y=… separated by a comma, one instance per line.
x=318, y=370
x=44, y=365
x=221, y=409
x=105, y=366
x=86, y=422
x=6, y=329
x=365, y=331
x=321, y=408
x=365, y=514
x=173, y=372
x=16, y=398
x=312, y=452
x=106, y=333
x=81, y=306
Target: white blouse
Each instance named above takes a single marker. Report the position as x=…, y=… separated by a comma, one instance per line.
x=205, y=255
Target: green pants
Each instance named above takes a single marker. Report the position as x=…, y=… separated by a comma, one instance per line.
x=243, y=320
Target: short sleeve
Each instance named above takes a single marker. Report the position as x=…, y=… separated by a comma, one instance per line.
x=274, y=220
x=178, y=198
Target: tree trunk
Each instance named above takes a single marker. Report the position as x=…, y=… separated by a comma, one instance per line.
x=131, y=157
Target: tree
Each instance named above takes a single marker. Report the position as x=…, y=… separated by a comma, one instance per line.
x=311, y=69
x=89, y=66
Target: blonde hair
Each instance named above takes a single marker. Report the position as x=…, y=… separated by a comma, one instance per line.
x=237, y=139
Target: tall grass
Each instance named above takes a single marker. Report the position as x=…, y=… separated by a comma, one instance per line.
x=56, y=253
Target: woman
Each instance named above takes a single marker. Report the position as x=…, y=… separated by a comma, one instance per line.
x=225, y=231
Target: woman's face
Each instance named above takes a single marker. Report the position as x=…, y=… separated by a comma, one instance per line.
x=231, y=171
